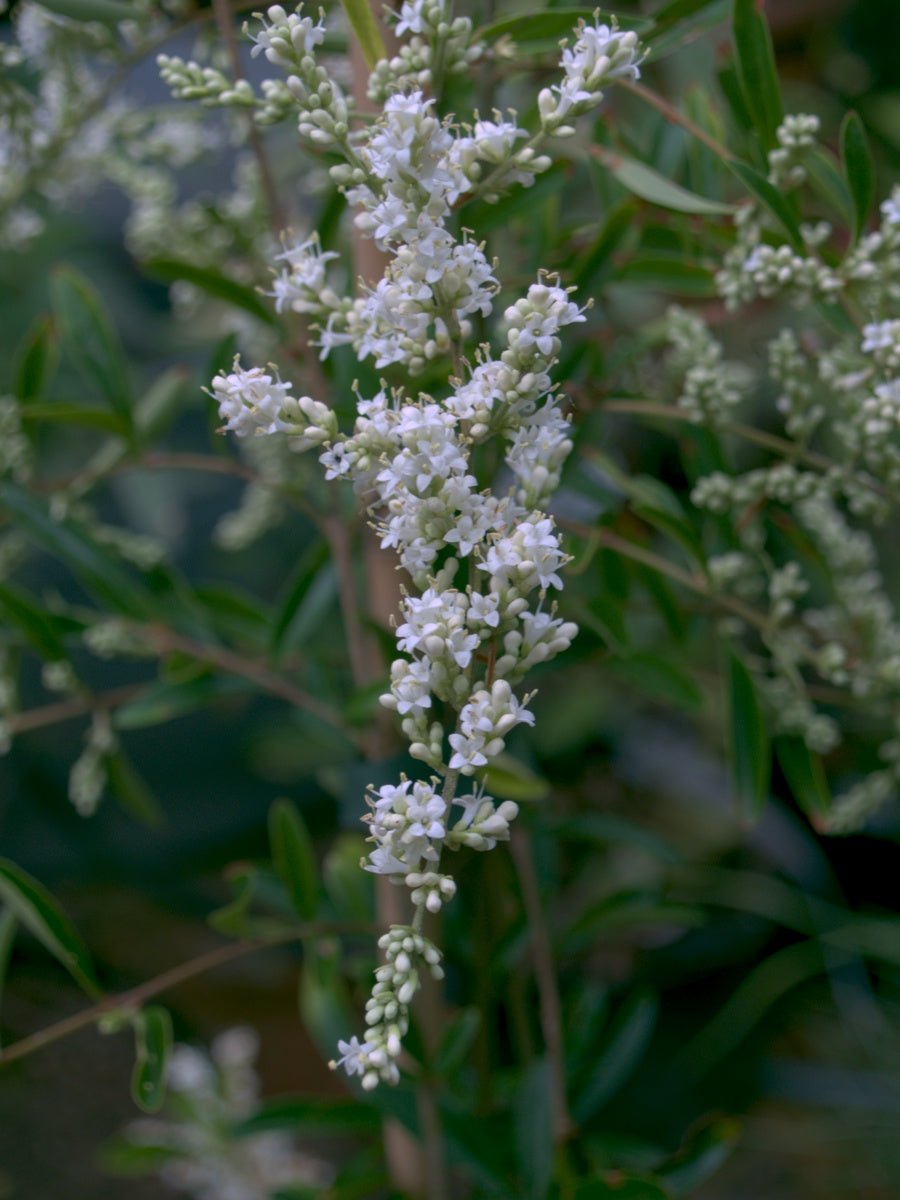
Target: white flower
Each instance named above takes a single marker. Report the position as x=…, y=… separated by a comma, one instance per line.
x=354, y=1056
x=251, y=401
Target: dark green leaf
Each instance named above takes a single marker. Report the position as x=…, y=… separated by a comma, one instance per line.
x=670, y=273
x=309, y=1115
x=162, y=403
x=213, y=283
x=650, y=185
x=658, y=678
x=233, y=918
x=324, y=1002
x=91, y=341
x=72, y=414
x=829, y=182
x=701, y=1156
x=166, y=700
x=121, y=1157
x=620, y=1054
x=596, y=262
x=362, y=21
x=7, y=937
x=108, y=12
x=756, y=69
x=153, y=1040
x=509, y=779
x=36, y=361
x=40, y=914
x=294, y=857
x=349, y=889
x=805, y=775
x=131, y=791
x=859, y=170
x=546, y=24
x=457, y=1042
x=623, y=1185
x=308, y=597
x=604, y=829
x=772, y=199
x=533, y=1130
x=677, y=23
x=750, y=750
x=21, y=610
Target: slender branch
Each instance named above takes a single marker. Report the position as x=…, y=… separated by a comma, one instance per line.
x=69, y=709
x=224, y=20
x=760, y=437
x=549, y=1006
x=675, y=117
x=135, y=997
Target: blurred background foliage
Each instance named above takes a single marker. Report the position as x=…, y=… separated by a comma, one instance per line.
x=730, y=988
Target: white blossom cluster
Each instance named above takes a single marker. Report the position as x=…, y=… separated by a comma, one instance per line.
x=481, y=557
x=437, y=46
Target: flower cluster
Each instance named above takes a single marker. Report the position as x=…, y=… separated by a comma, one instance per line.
x=480, y=560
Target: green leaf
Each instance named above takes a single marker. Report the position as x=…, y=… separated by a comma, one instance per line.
x=750, y=750
x=213, y=283
x=604, y=829
x=508, y=779
x=683, y=20
x=294, y=857
x=233, y=918
x=309, y=596
x=755, y=58
x=828, y=181
x=805, y=775
x=164, y=701
x=8, y=925
x=162, y=402
x=623, y=1185
x=650, y=185
x=108, y=12
x=309, y=1115
x=362, y=21
x=859, y=170
x=40, y=914
x=131, y=791
x=770, y=197
x=153, y=1040
x=533, y=1130
x=545, y=24
x=91, y=341
x=670, y=273
x=21, y=610
x=701, y=1156
x=72, y=414
x=36, y=361
x=349, y=889
x=324, y=1002
x=658, y=678
x=457, y=1042
x=622, y=1050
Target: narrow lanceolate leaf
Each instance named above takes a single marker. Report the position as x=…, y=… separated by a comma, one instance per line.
x=109, y=12
x=858, y=169
x=294, y=858
x=362, y=20
x=751, y=753
x=36, y=361
x=772, y=199
x=213, y=283
x=533, y=1128
x=22, y=611
x=39, y=913
x=153, y=1040
x=7, y=937
x=805, y=775
x=90, y=339
x=755, y=58
x=650, y=185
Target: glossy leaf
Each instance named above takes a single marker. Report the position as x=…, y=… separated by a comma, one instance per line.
x=36, y=362
x=859, y=170
x=91, y=341
x=214, y=284
x=153, y=1041
x=294, y=857
x=38, y=912
x=755, y=60
x=650, y=185
x=361, y=15
x=750, y=750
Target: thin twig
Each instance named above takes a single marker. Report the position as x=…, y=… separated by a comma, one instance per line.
x=135, y=997
x=224, y=19
x=69, y=709
x=549, y=1006
x=675, y=117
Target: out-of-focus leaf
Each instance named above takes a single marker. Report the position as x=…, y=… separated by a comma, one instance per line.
x=658, y=678
x=100, y=571
x=39, y=913
x=161, y=403
x=91, y=341
x=213, y=283
x=756, y=69
x=859, y=170
x=829, y=182
x=631, y=911
x=165, y=701
x=650, y=185
x=307, y=598
x=771, y=198
x=309, y=1115
x=701, y=1156
x=805, y=775
x=21, y=610
x=595, y=263
x=72, y=414
x=604, y=829
x=750, y=749
x=533, y=1130
x=7, y=937
x=671, y=273
x=36, y=361
x=546, y=24
x=232, y=918
x=620, y=1054
x=131, y=791
x=121, y=1157
x=682, y=21
x=623, y=1185
x=363, y=23
x=457, y=1042
x=294, y=857
x=324, y=1002
x=508, y=779
x=107, y=12
x=349, y=889
x=153, y=1040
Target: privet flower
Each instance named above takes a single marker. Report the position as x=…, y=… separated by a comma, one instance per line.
x=462, y=648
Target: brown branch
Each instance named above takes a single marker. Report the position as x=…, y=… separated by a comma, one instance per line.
x=69, y=709
x=549, y=1006
x=135, y=997
x=675, y=117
